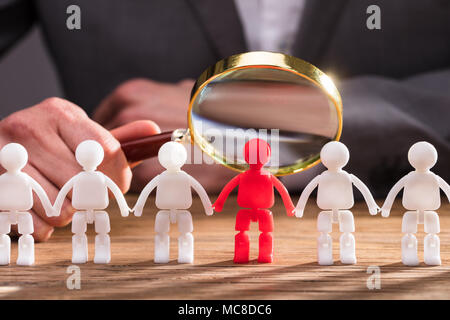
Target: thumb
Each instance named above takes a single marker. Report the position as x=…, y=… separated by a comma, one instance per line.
x=135, y=130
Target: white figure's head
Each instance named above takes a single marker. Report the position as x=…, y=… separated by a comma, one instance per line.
x=172, y=155
x=13, y=157
x=422, y=156
x=89, y=154
x=334, y=155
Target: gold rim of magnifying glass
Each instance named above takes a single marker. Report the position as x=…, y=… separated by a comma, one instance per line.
x=269, y=60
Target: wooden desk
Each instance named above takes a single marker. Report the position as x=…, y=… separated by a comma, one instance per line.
x=295, y=273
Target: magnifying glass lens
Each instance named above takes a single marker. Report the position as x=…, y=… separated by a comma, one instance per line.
x=284, y=100
x=289, y=111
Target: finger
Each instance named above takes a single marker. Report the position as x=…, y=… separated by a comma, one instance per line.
x=42, y=230
x=114, y=164
x=37, y=131
x=127, y=93
x=56, y=162
x=66, y=213
x=137, y=112
x=135, y=130
x=187, y=83
x=167, y=117
x=143, y=173
x=106, y=110
x=79, y=128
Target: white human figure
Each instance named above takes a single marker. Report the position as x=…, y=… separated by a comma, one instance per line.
x=335, y=196
x=16, y=199
x=421, y=196
x=173, y=198
x=90, y=198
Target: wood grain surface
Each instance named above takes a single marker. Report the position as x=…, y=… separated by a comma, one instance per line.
x=294, y=274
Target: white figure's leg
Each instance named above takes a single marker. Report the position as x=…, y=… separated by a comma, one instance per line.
x=162, y=227
x=409, y=240
x=79, y=239
x=5, y=240
x=102, y=240
x=324, y=241
x=347, y=239
x=186, y=239
x=431, y=246
x=26, y=240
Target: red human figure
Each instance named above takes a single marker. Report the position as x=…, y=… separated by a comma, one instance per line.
x=255, y=196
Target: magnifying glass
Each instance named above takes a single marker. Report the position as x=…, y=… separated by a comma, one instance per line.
x=285, y=100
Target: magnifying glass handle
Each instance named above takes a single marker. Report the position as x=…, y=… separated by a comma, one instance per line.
x=144, y=148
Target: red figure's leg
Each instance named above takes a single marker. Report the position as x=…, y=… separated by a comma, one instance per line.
x=241, y=240
x=265, y=219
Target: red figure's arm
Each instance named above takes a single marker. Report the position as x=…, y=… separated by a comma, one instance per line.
x=233, y=183
x=284, y=195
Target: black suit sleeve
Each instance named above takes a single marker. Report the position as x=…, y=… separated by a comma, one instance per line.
x=16, y=18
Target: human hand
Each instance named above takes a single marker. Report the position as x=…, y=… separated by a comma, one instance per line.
x=51, y=131
x=141, y=99
x=166, y=104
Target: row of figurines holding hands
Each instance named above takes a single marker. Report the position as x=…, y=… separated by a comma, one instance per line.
x=255, y=193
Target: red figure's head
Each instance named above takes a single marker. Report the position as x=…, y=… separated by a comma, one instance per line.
x=257, y=153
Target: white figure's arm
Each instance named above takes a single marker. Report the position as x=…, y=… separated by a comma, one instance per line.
x=139, y=206
x=42, y=195
x=123, y=206
x=387, y=205
x=202, y=194
x=444, y=186
x=305, y=195
x=371, y=204
x=62, y=195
